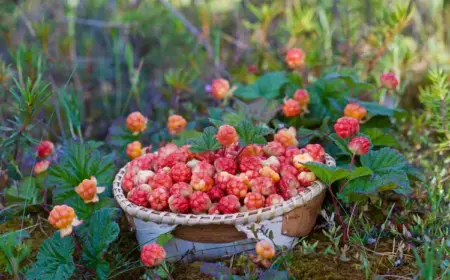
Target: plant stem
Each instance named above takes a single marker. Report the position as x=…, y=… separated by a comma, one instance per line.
x=163, y=266
x=338, y=214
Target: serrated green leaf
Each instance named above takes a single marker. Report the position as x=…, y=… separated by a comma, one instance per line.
x=251, y=134
x=207, y=141
x=359, y=172
x=54, y=260
x=352, y=82
x=217, y=123
x=97, y=234
x=341, y=143
x=267, y=86
x=26, y=191
x=380, y=138
x=233, y=118
x=362, y=187
x=383, y=161
x=327, y=174
x=415, y=173
x=376, y=109
x=185, y=136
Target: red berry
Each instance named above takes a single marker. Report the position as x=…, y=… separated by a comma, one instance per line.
x=220, y=89
x=389, y=81
x=306, y=179
x=203, y=184
x=161, y=179
x=199, y=202
x=237, y=187
x=41, y=166
x=180, y=172
x=250, y=163
x=274, y=149
x=203, y=168
x=289, y=193
x=45, y=148
x=287, y=137
x=354, y=110
x=152, y=255
x=295, y=58
x=300, y=160
x=158, y=199
x=222, y=179
x=273, y=163
x=127, y=181
x=316, y=151
x=176, y=124
x=143, y=177
x=214, y=209
x=302, y=97
x=216, y=193
x=290, y=153
x=225, y=164
x=227, y=135
x=291, y=108
x=254, y=200
x=181, y=188
x=139, y=195
x=229, y=204
x=274, y=199
x=263, y=185
x=346, y=127
x=208, y=156
x=178, y=204
x=288, y=169
x=359, y=145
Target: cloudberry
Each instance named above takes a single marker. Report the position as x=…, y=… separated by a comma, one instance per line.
x=295, y=58
x=229, y=204
x=143, y=177
x=203, y=168
x=286, y=169
x=208, y=156
x=222, y=179
x=251, y=150
x=354, y=110
x=288, y=181
x=270, y=173
x=220, y=89
x=161, y=179
x=316, y=151
x=152, y=255
x=300, y=160
x=214, y=209
x=272, y=162
x=247, y=176
x=201, y=183
x=176, y=124
x=181, y=188
x=250, y=163
x=274, y=149
x=291, y=108
x=216, y=193
x=45, y=148
x=180, y=172
x=199, y=202
x=274, y=199
x=306, y=179
x=359, y=146
x=389, y=81
x=289, y=193
x=287, y=137
x=263, y=185
x=227, y=135
x=346, y=127
x=178, y=204
x=302, y=97
x=134, y=149
x=254, y=200
x=41, y=166
x=237, y=187
x=158, y=198
x=139, y=195
x=136, y=122
x=63, y=218
x=88, y=190
x=225, y=164
x=127, y=181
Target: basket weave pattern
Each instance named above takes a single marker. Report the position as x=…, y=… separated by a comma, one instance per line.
x=266, y=213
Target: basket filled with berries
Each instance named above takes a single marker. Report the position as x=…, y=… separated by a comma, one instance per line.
x=221, y=192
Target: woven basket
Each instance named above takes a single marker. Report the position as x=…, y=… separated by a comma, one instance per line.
x=299, y=215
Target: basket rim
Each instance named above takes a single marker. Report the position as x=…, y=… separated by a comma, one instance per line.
x=266, y=213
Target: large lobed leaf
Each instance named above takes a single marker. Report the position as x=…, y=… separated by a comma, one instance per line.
x=206, y=142
x=251, y=134
x=267, y=86
x=54, y=260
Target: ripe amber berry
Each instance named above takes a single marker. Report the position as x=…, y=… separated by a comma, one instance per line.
x=176, y=124
x=359, y=145
x=152, y=255
x=389, y=81
x=355, y=110
x=295, y=58
x=134, y=149
x=264, y=249
x=274, y=149
x=237, y=187
x=254, y=200
x=300, y=160
x=63, y=218
x=286, y=137
x=136, y=122
x=302, y=97
x=270, y=173
x=227, y=135
x=201, y=183
x=306, y=179
x=88, y=190
x=346, y=127
x=291, y=108
x=220, y=89
x=44, y=149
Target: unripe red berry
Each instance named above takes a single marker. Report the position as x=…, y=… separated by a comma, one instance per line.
x=300, y=160
x=295, y=58
x=143, y=177
x=287, y=169
x=263, y=185
x=152, y=255
x=354, y=110
x=229, y=204
x=41, y=167
x=306, y=179
x=316, y=151
x=199, y=202
x=161, y=179
x=136, y=122
x=139, y=195
x=176, y=124
x=225, y=164
x=222, y=179
x=227, y=135
x=291, y=108
x=180, y=172
x=220, y=89
x=178, y=204
x=181, y=188
x=158, y=199
x=289, y=193
x=389, y=81
x=128, y=182
x=214, y=209
x=346, y=127
x=359, y=145
x=274, y=199
x=274, y=149
x=254, y=200
x=288, y=181
x=250, y=163
x=216, y=193
x=237, y=187
x=302, y=97
x=44, y=149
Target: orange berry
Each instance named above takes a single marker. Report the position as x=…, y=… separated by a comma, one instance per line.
x=136, y=122
x=355, y=110
x=286, y=137
x=220, y=89
x=88, y=190
x=134, y=149
x=291, y=108
x=176, y=124
x=227, y=135
x=41, y=167
x=265, y=249
x=299, y=160
x=266, y=171
x=295, y=58
x=302, y=97
x=63, y=218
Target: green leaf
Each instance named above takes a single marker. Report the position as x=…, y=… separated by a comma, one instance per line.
x=267, y=86
x=97, y=234
x=54, y=260
x=27, y=191
x=341, y=143
x=383, y=161
x=251, y=134
x=185, y=136
x=350, y=80
x=305, y=135
x=207, y=141
x=327, y=174
x=415, y=173
x=164, y=238
x=363, y=187
x=380, y=138
x=12, y=251
x=376, y=109
x=359, y=172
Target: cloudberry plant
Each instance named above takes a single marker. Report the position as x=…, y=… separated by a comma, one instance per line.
x=41, y=167
x=287, y=137
x=302, y=97
x=389, y=81
x=136, y=123
x=63, y=218
x=264, y=249
x=176, y=124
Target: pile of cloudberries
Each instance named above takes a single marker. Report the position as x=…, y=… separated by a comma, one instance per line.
x=230, y=180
